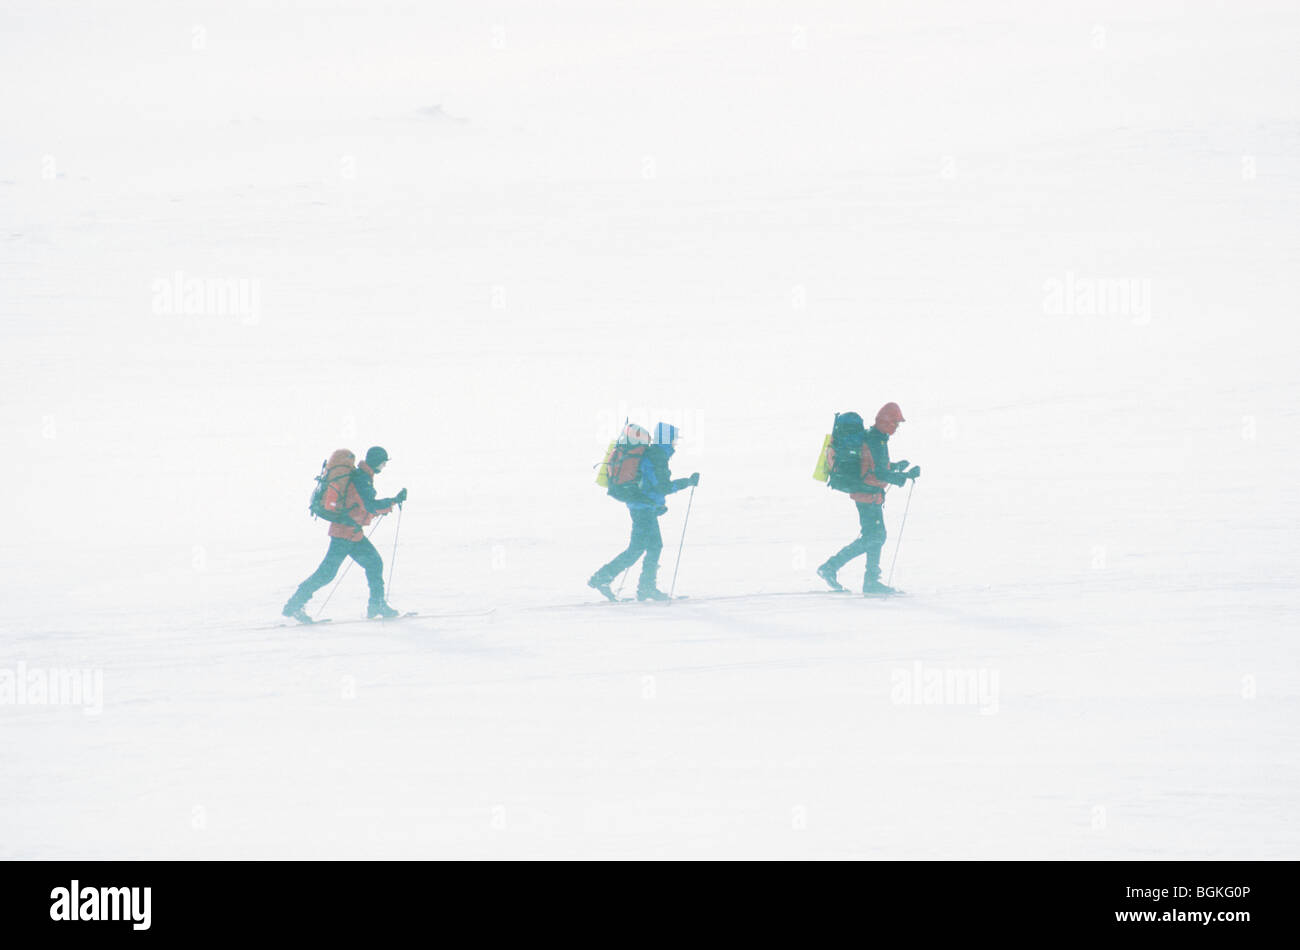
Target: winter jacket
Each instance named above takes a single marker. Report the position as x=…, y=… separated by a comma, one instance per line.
x=656, y=481
x=876, y=472
x=875, y=468
x=357, y=500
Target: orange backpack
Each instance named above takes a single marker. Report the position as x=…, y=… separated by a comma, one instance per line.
x=620, y=472
x=331, y=489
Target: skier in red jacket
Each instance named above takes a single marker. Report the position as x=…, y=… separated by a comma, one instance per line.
x=351, y=499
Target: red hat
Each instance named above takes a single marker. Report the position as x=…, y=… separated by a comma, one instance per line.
x=888, y=418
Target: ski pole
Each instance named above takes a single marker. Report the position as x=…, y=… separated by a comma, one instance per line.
x=346, y=568
x=673, y=589
x=392, y=561
x=899, y=543
x=621, y=581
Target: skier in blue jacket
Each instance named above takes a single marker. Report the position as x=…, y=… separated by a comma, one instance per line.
x=646, y=503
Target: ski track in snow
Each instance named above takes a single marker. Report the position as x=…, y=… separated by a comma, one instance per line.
x=744, y=712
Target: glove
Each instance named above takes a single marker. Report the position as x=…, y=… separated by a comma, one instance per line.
x=695, y=479
x=661, y=510
x=898, y=466
x=913, y=472
x=400, y=496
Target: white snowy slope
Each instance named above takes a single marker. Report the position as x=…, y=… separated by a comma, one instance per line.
x=1063, y=239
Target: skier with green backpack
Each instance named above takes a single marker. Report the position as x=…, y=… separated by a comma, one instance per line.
x=856, y=460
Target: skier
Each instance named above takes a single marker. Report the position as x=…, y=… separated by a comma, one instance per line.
x=877, y=471
x=645, y=502
x=353, y=501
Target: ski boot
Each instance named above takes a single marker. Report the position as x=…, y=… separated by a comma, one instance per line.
x=296, y=612
x=874, y=588
x=382, y=611
x=651, y=593
x=827, y=573
x=602, y=585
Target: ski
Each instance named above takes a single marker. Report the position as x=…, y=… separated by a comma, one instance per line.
x=464, y=613
x=296, y=623
x=405, y=616
x=340, y=623
x=633, y=600
x=774, y=593
x=413, y=613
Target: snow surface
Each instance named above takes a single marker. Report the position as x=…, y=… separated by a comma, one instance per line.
x=481, y=236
